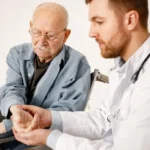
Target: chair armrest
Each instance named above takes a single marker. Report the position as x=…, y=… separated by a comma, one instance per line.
x=8, y=139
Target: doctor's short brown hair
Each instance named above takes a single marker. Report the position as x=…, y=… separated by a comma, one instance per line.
x=140, y=6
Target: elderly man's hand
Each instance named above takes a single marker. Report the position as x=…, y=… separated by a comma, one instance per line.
x=27, y=117
x=41, y=116
x=22, y=120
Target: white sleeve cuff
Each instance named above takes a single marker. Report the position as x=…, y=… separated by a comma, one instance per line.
x=56, y=121
x=52, y=138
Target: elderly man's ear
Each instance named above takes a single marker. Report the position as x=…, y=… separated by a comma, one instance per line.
x=31, y=23
x=67, y=33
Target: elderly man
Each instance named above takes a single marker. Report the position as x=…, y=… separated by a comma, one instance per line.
x=46, y=73
x=123, y=123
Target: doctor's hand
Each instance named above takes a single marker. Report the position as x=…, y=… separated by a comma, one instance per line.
x=22, y=120
x=42, y=117
x=33, y=138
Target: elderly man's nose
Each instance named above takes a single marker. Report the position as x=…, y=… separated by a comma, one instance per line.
x=43, y=40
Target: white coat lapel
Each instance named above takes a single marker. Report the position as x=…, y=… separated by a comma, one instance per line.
x=117, y=98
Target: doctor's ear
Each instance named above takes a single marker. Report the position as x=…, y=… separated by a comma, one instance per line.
x=131, y=20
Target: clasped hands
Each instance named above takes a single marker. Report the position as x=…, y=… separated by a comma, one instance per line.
x=29, y=123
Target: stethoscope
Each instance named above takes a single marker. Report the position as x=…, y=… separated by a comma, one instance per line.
x=136, y=75
x=133, y=80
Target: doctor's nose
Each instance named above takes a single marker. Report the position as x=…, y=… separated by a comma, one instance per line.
x=93, y=33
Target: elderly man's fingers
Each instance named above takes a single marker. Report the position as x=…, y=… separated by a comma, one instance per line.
x=34, y=124
x=16, y=118
x=25, y=107
x=28, y=108
x=18, y=128
x=14, y=109
x=21, y=116
x=18, y=115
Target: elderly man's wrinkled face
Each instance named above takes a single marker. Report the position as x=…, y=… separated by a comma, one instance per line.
x=48, y=34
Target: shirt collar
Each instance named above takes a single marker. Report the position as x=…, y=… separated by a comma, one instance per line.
x=134, y=61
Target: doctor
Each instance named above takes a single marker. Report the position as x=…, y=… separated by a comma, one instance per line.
x=123, y=122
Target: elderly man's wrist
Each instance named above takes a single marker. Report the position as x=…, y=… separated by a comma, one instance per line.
x=10, y=111
x=12, y=108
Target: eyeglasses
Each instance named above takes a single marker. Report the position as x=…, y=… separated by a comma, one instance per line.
x=36, y=34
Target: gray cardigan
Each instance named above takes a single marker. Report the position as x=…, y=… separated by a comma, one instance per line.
x=62, y=88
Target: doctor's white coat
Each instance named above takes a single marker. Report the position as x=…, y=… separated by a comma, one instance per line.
x=122, y=123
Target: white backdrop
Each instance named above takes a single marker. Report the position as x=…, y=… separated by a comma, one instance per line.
x=14, y=24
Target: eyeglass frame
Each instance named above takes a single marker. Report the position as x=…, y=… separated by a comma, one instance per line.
x=54, y=37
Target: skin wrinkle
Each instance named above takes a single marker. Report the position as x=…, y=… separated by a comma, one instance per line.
x=53, y=8
x=46, y=19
